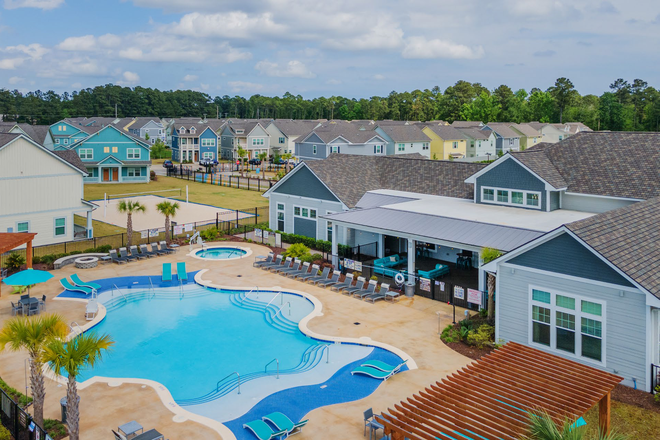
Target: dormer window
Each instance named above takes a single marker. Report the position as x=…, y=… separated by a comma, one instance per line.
x=192, y=130
x=182, y=130
x=240, y=131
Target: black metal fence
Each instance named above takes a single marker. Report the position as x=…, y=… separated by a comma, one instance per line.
x=213, y=178
x=18, y=422
x=226, y=221
x=655, y=378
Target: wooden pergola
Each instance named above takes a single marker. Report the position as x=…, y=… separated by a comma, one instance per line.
x=12, y=240
x=492, y=398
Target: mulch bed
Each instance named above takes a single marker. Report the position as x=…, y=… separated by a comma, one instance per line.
x=468, y=350
x=634, y=397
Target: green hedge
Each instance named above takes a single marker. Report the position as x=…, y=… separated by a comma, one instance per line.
x=319, y=245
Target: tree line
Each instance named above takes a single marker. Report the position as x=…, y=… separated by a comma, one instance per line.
x=625, y=106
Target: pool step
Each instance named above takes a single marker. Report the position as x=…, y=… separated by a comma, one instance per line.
x=132, y=295
x=271, y=315
x=313, y=356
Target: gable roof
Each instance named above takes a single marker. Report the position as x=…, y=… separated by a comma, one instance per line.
x=475, y=133
x=37, y=133
x=503, y=130
x=467, y=124
x=613, y=164
x=349, y=176
x=446, y=132
x=72, y=157
x=351, y=132
x=292, y=128
x=538, y=162
x=628, y=238
x=7, y=138
x=405, y=133
x=526, y=130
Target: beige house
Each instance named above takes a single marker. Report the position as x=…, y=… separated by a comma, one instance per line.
x=41, y=190
x=529, y=136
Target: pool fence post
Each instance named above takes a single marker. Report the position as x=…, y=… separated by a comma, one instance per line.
x=256, y=214
x=105, y=203
x=237, y=218
x=217, y=215
x=186, y=194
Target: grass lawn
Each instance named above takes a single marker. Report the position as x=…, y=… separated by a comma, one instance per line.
x=632, y=421
x=221, y=196
x=101, y=229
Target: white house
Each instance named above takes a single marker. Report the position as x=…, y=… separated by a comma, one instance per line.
x=41, y=190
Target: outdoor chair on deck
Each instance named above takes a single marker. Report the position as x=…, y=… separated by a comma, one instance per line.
x=124, y=255
x=311, y=274
x=147, y=252
x=42, y=302
x=382, y=294
x=370, y=290
x=323, y=276
x=156, y=249
x=359, y=285
x=277, y=262
x=333, y=280
x=16, y=309
x=164, y=247
x=295, y=268
x=285, y=266
x=348, y=281
x=260, y=261
x=31, y=309
x=370, y=421
x=117, y=259
x=304, y=269
x=134, y=251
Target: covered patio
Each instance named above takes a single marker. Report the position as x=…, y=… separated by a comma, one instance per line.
x=493, y=398
x=12, y=240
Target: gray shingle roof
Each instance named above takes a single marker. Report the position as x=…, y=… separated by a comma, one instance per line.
x=503, y=130
x=526, y=130
x=405, y=133
x=293, y=128
x=349, y=176
x=353, y=133
x=37, y=133
x=466, y=124
x=615, y=164
x=629, y=238
x=475, y=133
x=72, y=157
x=537, y=161
x=5, y=138
x=446, y=132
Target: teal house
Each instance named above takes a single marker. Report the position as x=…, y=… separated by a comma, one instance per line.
x=66, y=134
x=113, y=156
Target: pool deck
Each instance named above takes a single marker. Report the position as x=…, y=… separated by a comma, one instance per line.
x=409, y=324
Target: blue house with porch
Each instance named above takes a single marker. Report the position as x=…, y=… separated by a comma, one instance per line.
x=113, y=156
x=66, y=134
x=192, y=143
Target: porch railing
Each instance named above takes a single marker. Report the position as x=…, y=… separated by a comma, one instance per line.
x=655, y=378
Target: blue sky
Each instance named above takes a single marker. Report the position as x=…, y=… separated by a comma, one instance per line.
x=354, y=48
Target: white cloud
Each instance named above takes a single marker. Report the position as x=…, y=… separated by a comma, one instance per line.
x=131, y=77
x=16, y=80
x=421, y=48
x=292, y=69
x=205, y=87
x=38, y=4
x=76, y=85
x=385, y=34
x=83, y=44
x=109, y=40
x=333, y=82
x=378, y=77
x=542, y=9
x=11, y=63
x=35, y=51
x=236, y=24
x=244, y=86
x=189, y=78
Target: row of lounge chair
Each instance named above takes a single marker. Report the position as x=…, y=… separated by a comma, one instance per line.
x=283, y=426
x=294, y=268
x=124, y=256
x=78, y=285
x=181, y=272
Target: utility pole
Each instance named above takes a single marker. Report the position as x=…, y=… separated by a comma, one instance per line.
x=217, y=112
x=115, y=110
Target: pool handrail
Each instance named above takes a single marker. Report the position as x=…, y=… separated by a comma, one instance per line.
x=271, y=301
x=317, y=348
x=217, y=385
x=120, y=292
x=278, y=367
x=80, y=330
x=281, y=308
x=249, y=293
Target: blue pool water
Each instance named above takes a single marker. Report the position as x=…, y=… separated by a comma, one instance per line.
x=222, y=253
x=190, y=338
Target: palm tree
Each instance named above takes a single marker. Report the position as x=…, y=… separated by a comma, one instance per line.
x=83, y=351
x=262, y=157
x=168, y=209
x=129, y=207
x=488, y=255
x=287, y=157
x=242, y=153
x=543, y=427
x=33, y=334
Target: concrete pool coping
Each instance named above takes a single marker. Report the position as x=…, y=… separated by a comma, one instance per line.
x=194, y=252
x=182, y=415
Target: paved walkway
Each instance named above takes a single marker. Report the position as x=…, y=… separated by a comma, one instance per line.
x=410, y=324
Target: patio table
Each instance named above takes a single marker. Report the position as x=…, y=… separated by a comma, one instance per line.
x=27, y=302
x=131, y=428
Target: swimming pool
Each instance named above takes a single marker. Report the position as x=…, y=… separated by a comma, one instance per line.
x=198, y=342
x=220, y=253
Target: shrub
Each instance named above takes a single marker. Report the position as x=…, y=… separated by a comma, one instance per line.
x=48, y=259
x=483, y=313
x=75, y=252
x=4, y=434
x=449, y=334
x=656, y=396
x=15, y=261
x=16, y=395
x=36, y=260
x=153, y=176
x=104, y=249
x=374, y=278
x=209, y=234
x=482, y=337
x=316, y=257
x=297, y=250
x=55, y=428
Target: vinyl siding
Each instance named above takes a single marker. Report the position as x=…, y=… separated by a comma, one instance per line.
x=587, y=203
x=305, y=150
x=305, y=184
x=511, y=175
x=321, y=206
x=303, y=226
x=563, y=254
x=624, y=326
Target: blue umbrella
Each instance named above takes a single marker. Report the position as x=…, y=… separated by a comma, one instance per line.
x=28, y=278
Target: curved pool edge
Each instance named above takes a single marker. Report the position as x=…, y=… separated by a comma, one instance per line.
x=193, y=253
x=165, y=395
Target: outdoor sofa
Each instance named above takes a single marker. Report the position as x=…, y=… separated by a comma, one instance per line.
x=385, y=266
x=440, y=270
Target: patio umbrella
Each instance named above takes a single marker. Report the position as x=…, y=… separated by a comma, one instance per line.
x=28, y=278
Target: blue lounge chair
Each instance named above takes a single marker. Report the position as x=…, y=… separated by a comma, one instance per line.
x=283, y=423
x=80, y=283
x=263, y=431
x=70, y=287
x=375, y=372
x=167, y=272
x=181, y=273
x=383, y=366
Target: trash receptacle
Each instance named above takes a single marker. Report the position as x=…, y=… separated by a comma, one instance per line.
x=410, y=289
x=63, y=407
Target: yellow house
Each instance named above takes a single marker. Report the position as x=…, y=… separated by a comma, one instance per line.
x=529, y=135
x=446, y=142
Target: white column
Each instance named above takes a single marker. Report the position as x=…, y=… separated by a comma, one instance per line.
x=411, y=258
x=90, y=230
x=335, y=246
x=381, y=245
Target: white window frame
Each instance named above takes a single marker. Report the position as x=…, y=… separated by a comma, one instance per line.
x=425, y=146
x=309, y=212
x=57, y=141
x=511, y=142
x=136, y=172
x=401, y=147
x=55, y=234
x=27, y=222
x=379, y=149
x=88, y=154
x=454, y=145
x=578, y=313
x=334, y=148
x=208, y=155
x=281, y=209
x=509, y=203
x=66, y=142
x=314, y=150
x=208, y=142
x=281, y=140
x=131, y=152
x=258, y=142
x=182, y=130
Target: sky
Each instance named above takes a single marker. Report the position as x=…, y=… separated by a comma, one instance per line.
x=353, y=48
